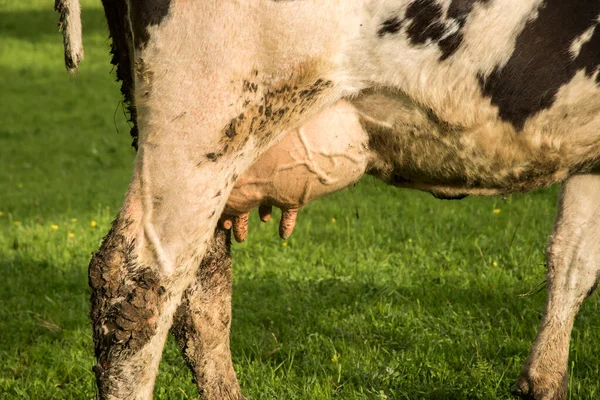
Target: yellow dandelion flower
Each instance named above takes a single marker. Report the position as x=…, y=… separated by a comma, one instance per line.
x=497, y=211
x=17, y=223
x=71, y=235
x=284, y=244
x=54, y=227
x=1, y=214
x=20, y=185
x=93, y=224
x=409, y=240
x=495, y=264
x=73, y=219
x=333, y=220
x=335, y=357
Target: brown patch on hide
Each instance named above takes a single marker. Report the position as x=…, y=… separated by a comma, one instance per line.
x=126, y=299
x=265, y=111
x=202, y=321
x=117, y=17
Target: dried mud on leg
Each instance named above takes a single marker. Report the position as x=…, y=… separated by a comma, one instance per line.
x=202, y=321
x=126, y=303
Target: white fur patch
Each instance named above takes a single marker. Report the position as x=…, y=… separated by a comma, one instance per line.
x=582, y=40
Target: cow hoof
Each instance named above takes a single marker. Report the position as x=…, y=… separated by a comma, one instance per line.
x=521, y=389
x=224, y=395
x=220, y=390
x=526, y=389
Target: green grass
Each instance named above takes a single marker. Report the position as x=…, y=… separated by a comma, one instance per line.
x=402, y=297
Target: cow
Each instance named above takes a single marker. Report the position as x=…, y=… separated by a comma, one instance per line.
x=452, y=97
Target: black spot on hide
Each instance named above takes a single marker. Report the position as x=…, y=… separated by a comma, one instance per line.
x=458, y=11
x=427, y=23
x=390, y=26
x=145, y=14
x=541, y=62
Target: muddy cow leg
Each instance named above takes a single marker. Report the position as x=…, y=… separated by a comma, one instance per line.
x=202, y=322
x=138, y=276
x=573, y=273
x=153, y=251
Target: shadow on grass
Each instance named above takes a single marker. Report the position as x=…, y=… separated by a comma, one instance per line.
x=446, y=328
x=38, y=302
x=41, y=303
x=382, y=328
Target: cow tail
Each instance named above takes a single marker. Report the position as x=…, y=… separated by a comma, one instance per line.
x=70, y=26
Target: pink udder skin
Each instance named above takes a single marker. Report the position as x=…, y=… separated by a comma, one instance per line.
x=325, y=155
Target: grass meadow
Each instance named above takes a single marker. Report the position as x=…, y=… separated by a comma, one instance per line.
x=379, y=294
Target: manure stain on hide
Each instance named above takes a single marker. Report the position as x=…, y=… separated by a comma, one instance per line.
x=195, y=336
x=541, y=62
x=213, y=156
x=248, y=86
x=265, y=112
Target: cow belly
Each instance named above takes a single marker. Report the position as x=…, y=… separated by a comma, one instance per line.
x=414, y=148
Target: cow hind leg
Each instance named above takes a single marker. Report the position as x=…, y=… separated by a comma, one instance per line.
x=147, y=261
x=202, y=322
x=573, y=273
